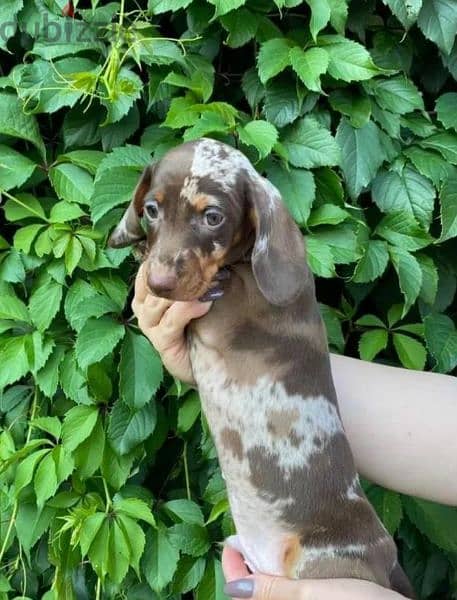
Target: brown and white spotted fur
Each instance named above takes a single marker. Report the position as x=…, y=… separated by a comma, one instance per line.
x=260, y=360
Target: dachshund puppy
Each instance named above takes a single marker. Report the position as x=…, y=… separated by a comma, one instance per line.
x=261, y=363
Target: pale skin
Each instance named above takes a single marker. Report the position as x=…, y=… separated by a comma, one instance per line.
x=400, y=425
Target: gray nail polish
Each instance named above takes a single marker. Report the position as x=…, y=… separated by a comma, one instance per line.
x=242, y=588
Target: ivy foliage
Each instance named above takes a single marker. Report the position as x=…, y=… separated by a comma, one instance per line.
x=109, y=484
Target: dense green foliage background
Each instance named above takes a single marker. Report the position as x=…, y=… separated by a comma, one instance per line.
x=109, y=486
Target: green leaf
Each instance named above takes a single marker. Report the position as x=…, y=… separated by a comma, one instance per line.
x=31, y=523
x=348, y=60
x=135, y=508
x=89, y=454
x=140, y=370
x=11, y=307
x=72, y=183
x=448, y=201
x=184, y=511
x=438, y=22
x=26, y=469
x=45, y=480
x=373, y=262
x=135, y=538
x=408, y=191
x=99, y=551
x=282, y=104
x=15, y=169
x=327, y=214
x=78, y=425
x=188, y=412
x=73, y=253
x=97, y=338
x=45, y=302
x=320, y=16
x=429, y=164
x=128, y=428
x=320, y=258
x=242, y=26
x=429, y=287
x=402, y=230
x=333, y=326
x=14, y=360
x=411, y=353
x=188, y=574
x=361, y=154
x=371, y=343
x=51, y=425
x=126, y=90
x=89, y=529
x=310, y=145
x=260, y=134
x=434, y=520
x=86, y=159
x=441, y=340
x=119, y=553
x=445, y=110
x=253, y=88
x=23, y=207
x=406, y=12
x=273, y=58
x=370, y=321
x=297, y=190
x=409, y=275
x=114, y=186
x=189, y=538
x=211, y=587
x=355, y=106
x=160, y=559
x=16, y=123
x=161, y=6
x=397, y=94
x=225, y=6
x=388, y=506
x=8, y=16
x=309, y=66
x=445, y=143
x=65, y=211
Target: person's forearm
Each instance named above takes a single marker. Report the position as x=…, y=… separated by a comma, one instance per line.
x=401, y=425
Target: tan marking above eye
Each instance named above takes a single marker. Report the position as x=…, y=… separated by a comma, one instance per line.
x=199, y=202
x=159, y=197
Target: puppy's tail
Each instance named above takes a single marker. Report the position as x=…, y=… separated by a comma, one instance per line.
x=399, y=582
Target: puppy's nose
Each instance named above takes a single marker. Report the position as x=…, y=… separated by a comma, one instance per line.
x=160, y=282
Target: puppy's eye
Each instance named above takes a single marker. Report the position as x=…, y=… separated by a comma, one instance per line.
x=213, y=218
x=151, y=209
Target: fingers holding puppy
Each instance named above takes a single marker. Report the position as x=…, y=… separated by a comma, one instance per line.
x=163, y=322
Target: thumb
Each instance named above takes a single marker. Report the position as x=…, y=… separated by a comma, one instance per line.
x=265, y=587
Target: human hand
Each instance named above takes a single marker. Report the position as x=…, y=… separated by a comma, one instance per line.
x=264, y=587
x=163, y=322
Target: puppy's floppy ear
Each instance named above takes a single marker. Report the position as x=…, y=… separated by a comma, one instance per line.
x=129, y=229
x=278, y=256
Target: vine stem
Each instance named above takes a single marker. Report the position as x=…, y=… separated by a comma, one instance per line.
x=186, y=471
x=108, y=498
x=98, y=590
x=16, y=504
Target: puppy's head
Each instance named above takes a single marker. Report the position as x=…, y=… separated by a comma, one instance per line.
x=204, y=206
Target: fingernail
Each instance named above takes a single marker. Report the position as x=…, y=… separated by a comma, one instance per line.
x=241, y=588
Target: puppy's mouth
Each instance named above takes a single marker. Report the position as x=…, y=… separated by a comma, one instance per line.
x=200, y=290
